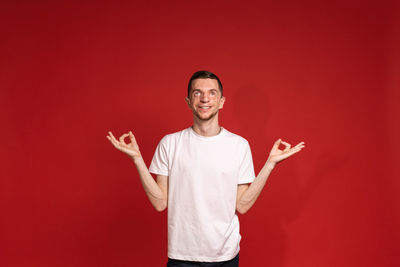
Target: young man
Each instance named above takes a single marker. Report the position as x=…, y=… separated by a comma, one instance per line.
x=205, y=175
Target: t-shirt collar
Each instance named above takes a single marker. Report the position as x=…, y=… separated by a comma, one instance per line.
x=207, y=138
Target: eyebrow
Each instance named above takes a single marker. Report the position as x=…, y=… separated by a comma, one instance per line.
x=209, y=90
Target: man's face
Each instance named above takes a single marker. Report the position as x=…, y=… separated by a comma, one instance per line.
x=205, y=98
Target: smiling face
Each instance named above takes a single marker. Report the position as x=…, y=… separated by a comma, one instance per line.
x=205, y=99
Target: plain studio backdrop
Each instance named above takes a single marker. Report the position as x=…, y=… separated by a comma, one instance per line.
x=322, y=72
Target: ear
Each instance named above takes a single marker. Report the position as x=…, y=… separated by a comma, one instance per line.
x=187, y=100
x=222, y=101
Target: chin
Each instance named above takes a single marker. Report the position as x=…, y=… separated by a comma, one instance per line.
x=206, y=118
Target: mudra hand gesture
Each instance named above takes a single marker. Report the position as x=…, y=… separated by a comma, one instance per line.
x=276, y=155
x=131, y=149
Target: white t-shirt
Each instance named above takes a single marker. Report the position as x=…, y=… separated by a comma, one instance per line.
x=203, y=175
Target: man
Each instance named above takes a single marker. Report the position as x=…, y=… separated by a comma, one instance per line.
x=204, y=175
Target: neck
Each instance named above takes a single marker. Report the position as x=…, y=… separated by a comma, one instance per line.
x=206, y=128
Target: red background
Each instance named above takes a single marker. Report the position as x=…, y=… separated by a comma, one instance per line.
x=323, y=73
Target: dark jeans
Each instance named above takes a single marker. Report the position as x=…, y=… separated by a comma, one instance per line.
x=179, y=263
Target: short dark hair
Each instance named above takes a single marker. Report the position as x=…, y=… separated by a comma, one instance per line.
x=203, y=74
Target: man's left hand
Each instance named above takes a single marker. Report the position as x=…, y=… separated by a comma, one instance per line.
x=276, y=155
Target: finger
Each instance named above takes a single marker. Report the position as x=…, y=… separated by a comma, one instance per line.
x=122, y=137
x=287, y=146
x=297, y=149
x=112, y=136
x=300, y=144
x=292, y=151
x=132, y=137
x=113, y=142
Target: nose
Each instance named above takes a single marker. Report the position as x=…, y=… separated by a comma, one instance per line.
x=204, y=97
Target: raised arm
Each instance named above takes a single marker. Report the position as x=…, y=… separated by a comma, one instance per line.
x=157, y=192
x=248, y=194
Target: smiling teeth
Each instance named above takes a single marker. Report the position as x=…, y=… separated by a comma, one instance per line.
x=204, y=107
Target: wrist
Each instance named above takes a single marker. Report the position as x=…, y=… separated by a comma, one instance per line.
x=270, y=165
x=136, y=159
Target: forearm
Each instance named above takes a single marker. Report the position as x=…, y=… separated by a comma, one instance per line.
x=249, y=197
x=153, y=191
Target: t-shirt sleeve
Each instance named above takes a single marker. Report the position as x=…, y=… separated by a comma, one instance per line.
x=159, y=163
x=246, y=168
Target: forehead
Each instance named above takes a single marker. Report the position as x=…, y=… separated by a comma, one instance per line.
x=205, y=84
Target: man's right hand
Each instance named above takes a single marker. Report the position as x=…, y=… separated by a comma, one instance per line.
x=131, y=149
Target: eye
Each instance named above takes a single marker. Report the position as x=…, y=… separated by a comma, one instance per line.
x=213, y=93
x=197, y=93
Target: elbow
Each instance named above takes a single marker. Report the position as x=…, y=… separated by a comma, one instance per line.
x=242, y=210
x=161, y=207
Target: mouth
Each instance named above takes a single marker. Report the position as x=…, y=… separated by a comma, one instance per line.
x=204, y=107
